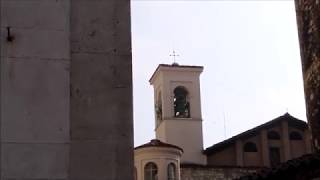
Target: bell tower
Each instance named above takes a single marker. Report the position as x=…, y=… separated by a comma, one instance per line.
x=178, y=109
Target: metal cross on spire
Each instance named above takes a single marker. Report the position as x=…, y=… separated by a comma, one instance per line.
x=174, y=55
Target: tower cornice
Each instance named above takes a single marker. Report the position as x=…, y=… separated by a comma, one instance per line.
x=176, y=68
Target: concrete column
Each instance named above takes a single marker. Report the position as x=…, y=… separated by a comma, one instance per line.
x=265, y=148
x=101, y=91
x=285, y=141
x=34, y=89
x=239, y=152
x=65, y=85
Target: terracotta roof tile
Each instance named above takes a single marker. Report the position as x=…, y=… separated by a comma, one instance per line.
x=158, y=143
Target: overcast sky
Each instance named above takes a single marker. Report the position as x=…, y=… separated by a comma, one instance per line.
x=249, y=50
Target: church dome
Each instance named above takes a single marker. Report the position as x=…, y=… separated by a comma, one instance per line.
x=158, y=143
x=157, y=159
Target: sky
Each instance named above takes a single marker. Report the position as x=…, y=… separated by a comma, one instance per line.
x=249, y=50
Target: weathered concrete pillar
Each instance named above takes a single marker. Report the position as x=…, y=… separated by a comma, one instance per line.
x=239, y=152
x=66, y=90
x=35, y=62
x=101, y=90
x=308, y=15
x=285, y=140
x=264, y=148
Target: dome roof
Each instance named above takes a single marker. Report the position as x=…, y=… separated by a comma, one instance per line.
x=158, y=143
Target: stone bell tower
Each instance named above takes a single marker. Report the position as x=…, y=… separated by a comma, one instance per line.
x=178, y=109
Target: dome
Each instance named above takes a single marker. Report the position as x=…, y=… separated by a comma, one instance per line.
x=158, y=143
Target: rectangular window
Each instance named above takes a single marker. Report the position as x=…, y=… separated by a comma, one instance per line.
x=274, y=155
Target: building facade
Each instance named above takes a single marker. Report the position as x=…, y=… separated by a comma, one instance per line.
x=178, y=123
x=267, y=145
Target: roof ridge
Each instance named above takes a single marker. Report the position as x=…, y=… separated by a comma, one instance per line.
x=253, y=130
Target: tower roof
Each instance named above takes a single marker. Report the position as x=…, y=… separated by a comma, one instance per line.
x=158, y=143
x=175, y=66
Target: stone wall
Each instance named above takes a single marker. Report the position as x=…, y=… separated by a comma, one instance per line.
x=214, y=173
x=308, y=19
x=101, y=126
x=65, y=83
x=34, y=89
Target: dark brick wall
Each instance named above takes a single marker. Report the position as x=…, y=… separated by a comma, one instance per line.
x=308, y=19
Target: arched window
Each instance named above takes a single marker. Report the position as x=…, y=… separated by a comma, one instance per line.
x=181, y=103
x=150, y=171
x=273, y=135
x=294, y=135
x=172, y=172
x=250, y=147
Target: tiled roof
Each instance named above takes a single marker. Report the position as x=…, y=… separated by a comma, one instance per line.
x=158, y=143
x=292, y=121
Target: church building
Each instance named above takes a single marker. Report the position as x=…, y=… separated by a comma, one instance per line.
x=177, y=153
